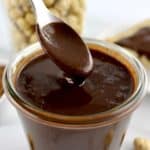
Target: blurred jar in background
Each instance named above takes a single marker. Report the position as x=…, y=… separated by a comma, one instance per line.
x=23, y=20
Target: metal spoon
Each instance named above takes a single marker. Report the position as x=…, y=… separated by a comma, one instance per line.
x=65, y=47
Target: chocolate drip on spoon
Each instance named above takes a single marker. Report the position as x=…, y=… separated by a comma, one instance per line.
x=64, y=46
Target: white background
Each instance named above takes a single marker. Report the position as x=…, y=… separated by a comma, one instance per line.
x=104, y=15
x=103, y=18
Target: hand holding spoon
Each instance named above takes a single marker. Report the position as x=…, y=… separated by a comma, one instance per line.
x=62, y=44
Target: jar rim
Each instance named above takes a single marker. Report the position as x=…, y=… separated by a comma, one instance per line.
x=88, y=121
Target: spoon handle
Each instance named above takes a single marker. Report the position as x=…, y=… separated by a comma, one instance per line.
x=41, y=11
x=38, y=6
x=43, y=15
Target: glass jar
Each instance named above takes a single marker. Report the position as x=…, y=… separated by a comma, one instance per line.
x=103, y=131
x=23, y=21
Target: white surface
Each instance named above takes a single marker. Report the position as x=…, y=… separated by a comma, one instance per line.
x=102, y=18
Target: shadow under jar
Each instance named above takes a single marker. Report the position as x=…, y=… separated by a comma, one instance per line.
x=101, y=130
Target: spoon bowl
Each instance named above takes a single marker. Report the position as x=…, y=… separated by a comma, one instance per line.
x=63, y=44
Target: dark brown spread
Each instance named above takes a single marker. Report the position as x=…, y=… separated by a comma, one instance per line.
x=139, y=42
x=66, y=48
x=42, y=84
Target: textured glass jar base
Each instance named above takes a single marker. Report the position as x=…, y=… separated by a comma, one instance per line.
x=43, y=137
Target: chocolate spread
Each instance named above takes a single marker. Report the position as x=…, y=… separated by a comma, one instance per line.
x=66, y=48
x=42, y=84
x=139, y=42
